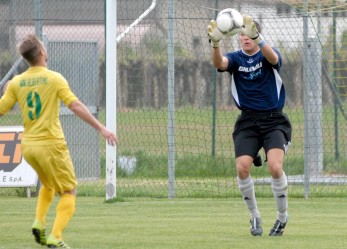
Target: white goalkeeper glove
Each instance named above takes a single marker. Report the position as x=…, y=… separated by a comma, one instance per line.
x=250, y=29
x=214, y=34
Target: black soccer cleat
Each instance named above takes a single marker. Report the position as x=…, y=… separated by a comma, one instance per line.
x=256, y=229
x=278, y=228
x=257, y=161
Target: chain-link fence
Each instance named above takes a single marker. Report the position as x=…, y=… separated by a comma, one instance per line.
x=174, y=120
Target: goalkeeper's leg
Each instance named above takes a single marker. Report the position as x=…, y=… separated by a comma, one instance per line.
x=279, y=189
x=247, y=190
x=279, y=182
x=246, y=186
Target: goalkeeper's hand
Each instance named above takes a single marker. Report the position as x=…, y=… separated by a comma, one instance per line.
x=214, y=34
x=250, y=29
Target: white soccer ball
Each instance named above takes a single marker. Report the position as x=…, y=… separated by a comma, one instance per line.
x=229, y=21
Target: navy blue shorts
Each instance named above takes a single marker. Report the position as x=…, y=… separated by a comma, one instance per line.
x=256, y=130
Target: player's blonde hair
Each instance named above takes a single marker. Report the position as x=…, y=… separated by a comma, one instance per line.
x=30, y=48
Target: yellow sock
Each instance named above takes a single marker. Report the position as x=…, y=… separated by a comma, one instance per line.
x=44, y=201
x=65, y=210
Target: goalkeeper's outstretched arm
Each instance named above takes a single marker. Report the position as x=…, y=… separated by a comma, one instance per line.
x=219, y=61
x=215, y=36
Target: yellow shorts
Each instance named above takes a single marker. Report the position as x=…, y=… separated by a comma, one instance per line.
x=53, y=166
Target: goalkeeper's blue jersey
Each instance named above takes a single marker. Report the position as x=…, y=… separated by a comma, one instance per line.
x=255, y=84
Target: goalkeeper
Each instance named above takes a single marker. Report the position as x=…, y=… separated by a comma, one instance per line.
x=259, y=93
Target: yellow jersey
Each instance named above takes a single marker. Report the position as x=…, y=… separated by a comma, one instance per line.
x=38, y=92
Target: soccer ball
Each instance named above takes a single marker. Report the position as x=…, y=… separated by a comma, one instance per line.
x=229, y=21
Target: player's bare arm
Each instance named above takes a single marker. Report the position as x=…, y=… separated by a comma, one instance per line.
x=269, y=54
x=82, y=112
x=219, y=61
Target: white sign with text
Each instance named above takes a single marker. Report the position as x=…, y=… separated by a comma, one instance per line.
x=14, y=170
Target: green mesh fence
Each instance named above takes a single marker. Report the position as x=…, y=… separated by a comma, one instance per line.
x=194, y=138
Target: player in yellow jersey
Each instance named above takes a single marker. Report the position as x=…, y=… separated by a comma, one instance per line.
x=38, y=92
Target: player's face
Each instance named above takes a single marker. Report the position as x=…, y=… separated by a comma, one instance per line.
x=248, y=45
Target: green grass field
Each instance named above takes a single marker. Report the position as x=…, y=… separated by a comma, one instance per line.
x=180, y=223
